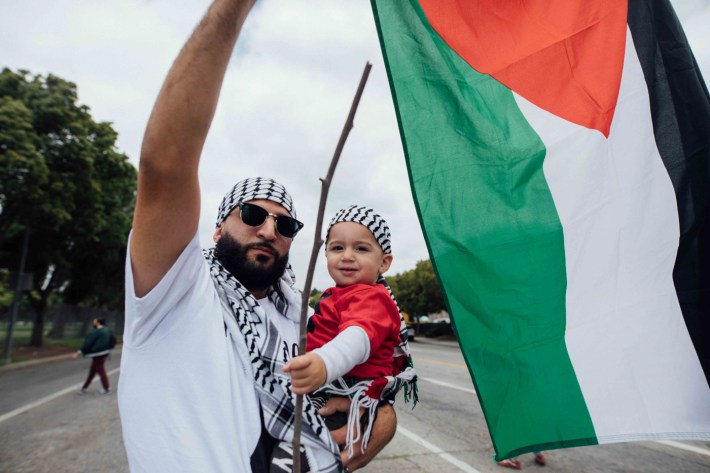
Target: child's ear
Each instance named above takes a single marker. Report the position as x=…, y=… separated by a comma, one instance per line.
x=386, y=262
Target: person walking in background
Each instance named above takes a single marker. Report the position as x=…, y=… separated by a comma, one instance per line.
x=96, y=346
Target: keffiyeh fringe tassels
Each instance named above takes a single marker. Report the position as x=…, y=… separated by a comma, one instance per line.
x=367, y=394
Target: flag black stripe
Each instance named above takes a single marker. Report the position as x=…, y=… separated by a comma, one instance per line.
x=680, y=109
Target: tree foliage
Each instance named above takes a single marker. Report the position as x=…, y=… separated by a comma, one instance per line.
x=313, y=297
x=417, y=290
x=62, y=178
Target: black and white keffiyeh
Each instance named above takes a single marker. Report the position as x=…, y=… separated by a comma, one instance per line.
x=256, y=338
x=367, y=394
x=367, y=217
x=255, y=188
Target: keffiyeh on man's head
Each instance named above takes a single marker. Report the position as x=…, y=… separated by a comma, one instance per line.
x=254, y=188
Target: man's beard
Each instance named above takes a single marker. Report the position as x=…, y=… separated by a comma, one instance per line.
x=254, y=275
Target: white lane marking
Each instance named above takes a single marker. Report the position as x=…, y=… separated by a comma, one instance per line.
x=430, y=446
x=447, y=385
x=670, y=443
x=683, y=446
x=44, y=400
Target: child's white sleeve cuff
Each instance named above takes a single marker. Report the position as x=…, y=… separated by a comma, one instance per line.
x=347, y=350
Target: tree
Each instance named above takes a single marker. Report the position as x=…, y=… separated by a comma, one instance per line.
x=62, y=178
x=314, y=296
x=417, y=290
x=5, y=292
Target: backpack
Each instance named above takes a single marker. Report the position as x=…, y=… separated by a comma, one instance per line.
x=112, y=342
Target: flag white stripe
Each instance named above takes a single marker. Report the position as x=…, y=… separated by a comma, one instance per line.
x=626, y=338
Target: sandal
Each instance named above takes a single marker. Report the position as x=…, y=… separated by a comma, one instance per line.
x=510, y=463
x=540, y=459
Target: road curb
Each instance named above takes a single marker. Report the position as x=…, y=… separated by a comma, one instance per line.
x=40, y=361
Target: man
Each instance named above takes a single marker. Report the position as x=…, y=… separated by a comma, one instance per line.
x=96, y=346
x=206, y=336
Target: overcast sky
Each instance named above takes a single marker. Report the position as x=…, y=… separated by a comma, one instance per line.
x=285, y=98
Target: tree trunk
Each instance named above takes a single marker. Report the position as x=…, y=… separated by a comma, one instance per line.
x=59, y=321
x=37, y=338
x=40, y=307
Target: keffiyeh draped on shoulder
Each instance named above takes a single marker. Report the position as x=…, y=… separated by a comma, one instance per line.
x=256, y=339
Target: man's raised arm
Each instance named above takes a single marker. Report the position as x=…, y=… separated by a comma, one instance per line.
x=168, y=201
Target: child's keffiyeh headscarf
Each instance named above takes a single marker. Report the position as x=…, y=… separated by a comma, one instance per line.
x=367, y=217
x=255, y=338
x=368, y=393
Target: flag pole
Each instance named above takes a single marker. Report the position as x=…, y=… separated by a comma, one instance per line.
x=317, y=242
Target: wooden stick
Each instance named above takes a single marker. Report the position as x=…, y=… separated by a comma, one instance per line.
x=317, y=242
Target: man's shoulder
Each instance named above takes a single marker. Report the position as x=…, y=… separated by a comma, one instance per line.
x=185, y=292
x=189, y=266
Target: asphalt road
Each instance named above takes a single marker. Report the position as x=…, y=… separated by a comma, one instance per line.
x=46, y=427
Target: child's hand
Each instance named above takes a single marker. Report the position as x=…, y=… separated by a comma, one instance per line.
x=308, y=373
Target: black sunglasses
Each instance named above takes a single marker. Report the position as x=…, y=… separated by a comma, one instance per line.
x=255, y=216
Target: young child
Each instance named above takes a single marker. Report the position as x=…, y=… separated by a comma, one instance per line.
x=357, y=338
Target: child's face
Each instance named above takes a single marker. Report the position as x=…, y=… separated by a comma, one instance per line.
x=354, y=256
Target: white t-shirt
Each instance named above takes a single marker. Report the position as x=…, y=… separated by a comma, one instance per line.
x=186, y=398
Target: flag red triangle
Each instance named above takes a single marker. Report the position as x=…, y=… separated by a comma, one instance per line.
x=565, y=56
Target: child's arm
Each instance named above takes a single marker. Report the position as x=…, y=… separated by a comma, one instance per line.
x=321, y=366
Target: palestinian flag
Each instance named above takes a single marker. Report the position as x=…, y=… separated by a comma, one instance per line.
x=559, y=157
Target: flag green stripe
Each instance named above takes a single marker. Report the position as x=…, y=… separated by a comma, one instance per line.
x=475, y=167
